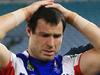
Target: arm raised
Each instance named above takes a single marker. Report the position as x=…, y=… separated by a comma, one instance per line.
x=12, y=20
x=87, y=28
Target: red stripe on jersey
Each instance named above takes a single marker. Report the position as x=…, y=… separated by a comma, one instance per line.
x=77, y=69
x=8, y=70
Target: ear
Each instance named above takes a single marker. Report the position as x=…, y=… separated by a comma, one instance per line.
x=28, y=31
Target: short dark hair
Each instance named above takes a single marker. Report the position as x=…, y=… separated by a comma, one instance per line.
x=50, y=15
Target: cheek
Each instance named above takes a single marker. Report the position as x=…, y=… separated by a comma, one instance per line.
x=39, y=41
x=58, y=43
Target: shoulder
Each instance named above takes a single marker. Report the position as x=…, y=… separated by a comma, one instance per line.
x=18, y=59
x=71, y=58
x=68, y=62
x=4, y=55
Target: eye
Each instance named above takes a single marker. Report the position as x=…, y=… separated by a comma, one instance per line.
x=57, y=35
x=45, y=35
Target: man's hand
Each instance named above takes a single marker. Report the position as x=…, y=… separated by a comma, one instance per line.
x=31, y=9
x=68, y=14
x=59, y=7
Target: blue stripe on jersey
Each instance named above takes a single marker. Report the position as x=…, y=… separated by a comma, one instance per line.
x=37, y=67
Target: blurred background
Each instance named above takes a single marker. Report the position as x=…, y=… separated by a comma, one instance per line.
x=17, y=39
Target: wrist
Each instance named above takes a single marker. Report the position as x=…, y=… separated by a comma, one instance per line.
x=70, y=16
x=27, y=13
x=79, y=22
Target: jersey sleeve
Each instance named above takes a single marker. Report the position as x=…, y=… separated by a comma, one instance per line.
x=71, y=64
x=9, y=69
x=76, y=63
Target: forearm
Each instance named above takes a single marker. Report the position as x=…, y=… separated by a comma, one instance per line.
x=11, y=20
x=89, y=29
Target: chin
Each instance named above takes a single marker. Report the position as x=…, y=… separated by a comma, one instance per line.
x=48, y=58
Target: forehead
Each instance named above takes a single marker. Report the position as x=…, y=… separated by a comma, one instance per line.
x=43, y=26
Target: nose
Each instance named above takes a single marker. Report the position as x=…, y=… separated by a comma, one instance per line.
x=50, y=42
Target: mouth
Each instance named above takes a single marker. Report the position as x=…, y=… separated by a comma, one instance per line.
x=48, y=53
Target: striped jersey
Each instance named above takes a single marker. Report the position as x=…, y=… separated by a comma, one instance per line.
x=23, y=64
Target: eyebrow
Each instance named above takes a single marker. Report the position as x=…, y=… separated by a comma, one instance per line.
x=50, y=33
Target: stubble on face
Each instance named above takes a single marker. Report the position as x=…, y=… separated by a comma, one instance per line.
x=46, y=41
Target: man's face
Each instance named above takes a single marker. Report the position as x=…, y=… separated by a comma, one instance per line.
x=46, y=41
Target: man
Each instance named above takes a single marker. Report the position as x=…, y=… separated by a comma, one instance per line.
x=45, y=31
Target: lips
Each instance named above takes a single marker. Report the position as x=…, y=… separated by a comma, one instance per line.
x=48, y=53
